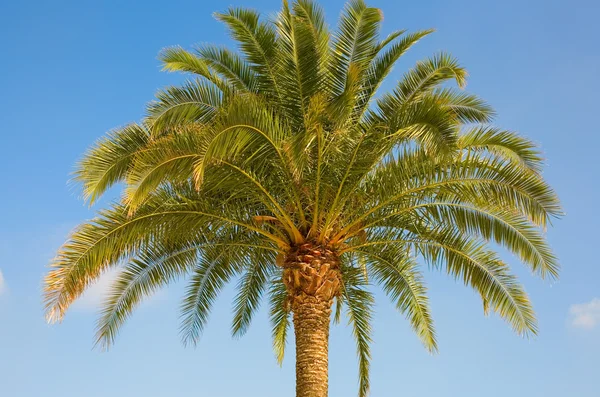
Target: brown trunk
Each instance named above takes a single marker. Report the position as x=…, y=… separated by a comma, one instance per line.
x=311, y=326
x=312, y=278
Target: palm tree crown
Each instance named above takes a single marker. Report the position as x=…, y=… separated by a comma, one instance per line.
x=282, y=167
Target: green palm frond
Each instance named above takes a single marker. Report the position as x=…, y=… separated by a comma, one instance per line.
x=510, y=230
x=389, y=39
x=139, y=279
x=355, y=41
x=382, y=65
x=421, y=80
x=428, y=74
x=303, y=44
x=432, y=126
x=210, y=275
x=280, y=317
x=171, y=157
x=468, y=108
x=230, y=66
x=88, y=253
x=258, y=42
x=312, y=18
x=337, y=315
x=415, y=176
x=251, y=288
x=196, y=101
x=359, y=302
x=354, y=48
x=109, y=160
x=481, y=269
x=503, y=144
x=393, y=268
x=176, y=59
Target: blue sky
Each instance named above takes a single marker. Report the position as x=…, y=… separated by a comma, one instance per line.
x=72, y=70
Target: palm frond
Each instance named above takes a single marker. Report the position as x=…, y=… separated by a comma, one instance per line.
x=257, y=40
x=87, y=254
x=355, y=43
x=108, y=161
x=254, y=282
x=503, y=144
x=230, y=66
x=382, y=65
x=303, y=43
x=468, y=108
x=169, y=158
x=468, y=180
x=511, y=230
x=214, y=270
x=393, y=268
x=154, y=268
x=359, y=302
x=280, y=317
x=196, y=101
x=478, y=267
x=176, y=59
x=422, y=79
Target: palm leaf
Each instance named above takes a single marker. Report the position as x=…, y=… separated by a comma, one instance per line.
x=196, y=101
x=251, y=288
x=359, y=302
x=230, y=66
x=280, y=317
x=108, y=161
x=401, y=280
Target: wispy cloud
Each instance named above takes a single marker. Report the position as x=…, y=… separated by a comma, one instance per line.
x=2, y=283
x=585, y=315
x=94, y=296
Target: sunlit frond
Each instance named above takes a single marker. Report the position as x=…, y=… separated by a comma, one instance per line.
x=196, y=101
x=382, y=65
x=354, y=42
x=359, y=302
x=354, y=47
x=468, y=108
x=303, y=52
x=257, y=40
x=511, y=230
x=108, y=161
x=139, y=279
x=230, y=66
x=481, y=269
x=393, y=268
x=421, y=80
x=215, y=268
x=280, y=317
x=254, y=282
x=176, y=59
x=504, y=144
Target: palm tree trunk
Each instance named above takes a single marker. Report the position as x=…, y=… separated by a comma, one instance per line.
x=311, y=326
x=312, y=278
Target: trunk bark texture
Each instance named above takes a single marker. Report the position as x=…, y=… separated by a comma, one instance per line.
x=312, y=278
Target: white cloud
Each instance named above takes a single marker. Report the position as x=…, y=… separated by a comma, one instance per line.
x=93, y=297
x=2, y=283
x=585, y=315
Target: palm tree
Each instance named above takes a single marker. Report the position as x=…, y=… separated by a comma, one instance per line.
x=281, y=167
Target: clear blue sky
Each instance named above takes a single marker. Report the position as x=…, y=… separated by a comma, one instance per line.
x=72, y=70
